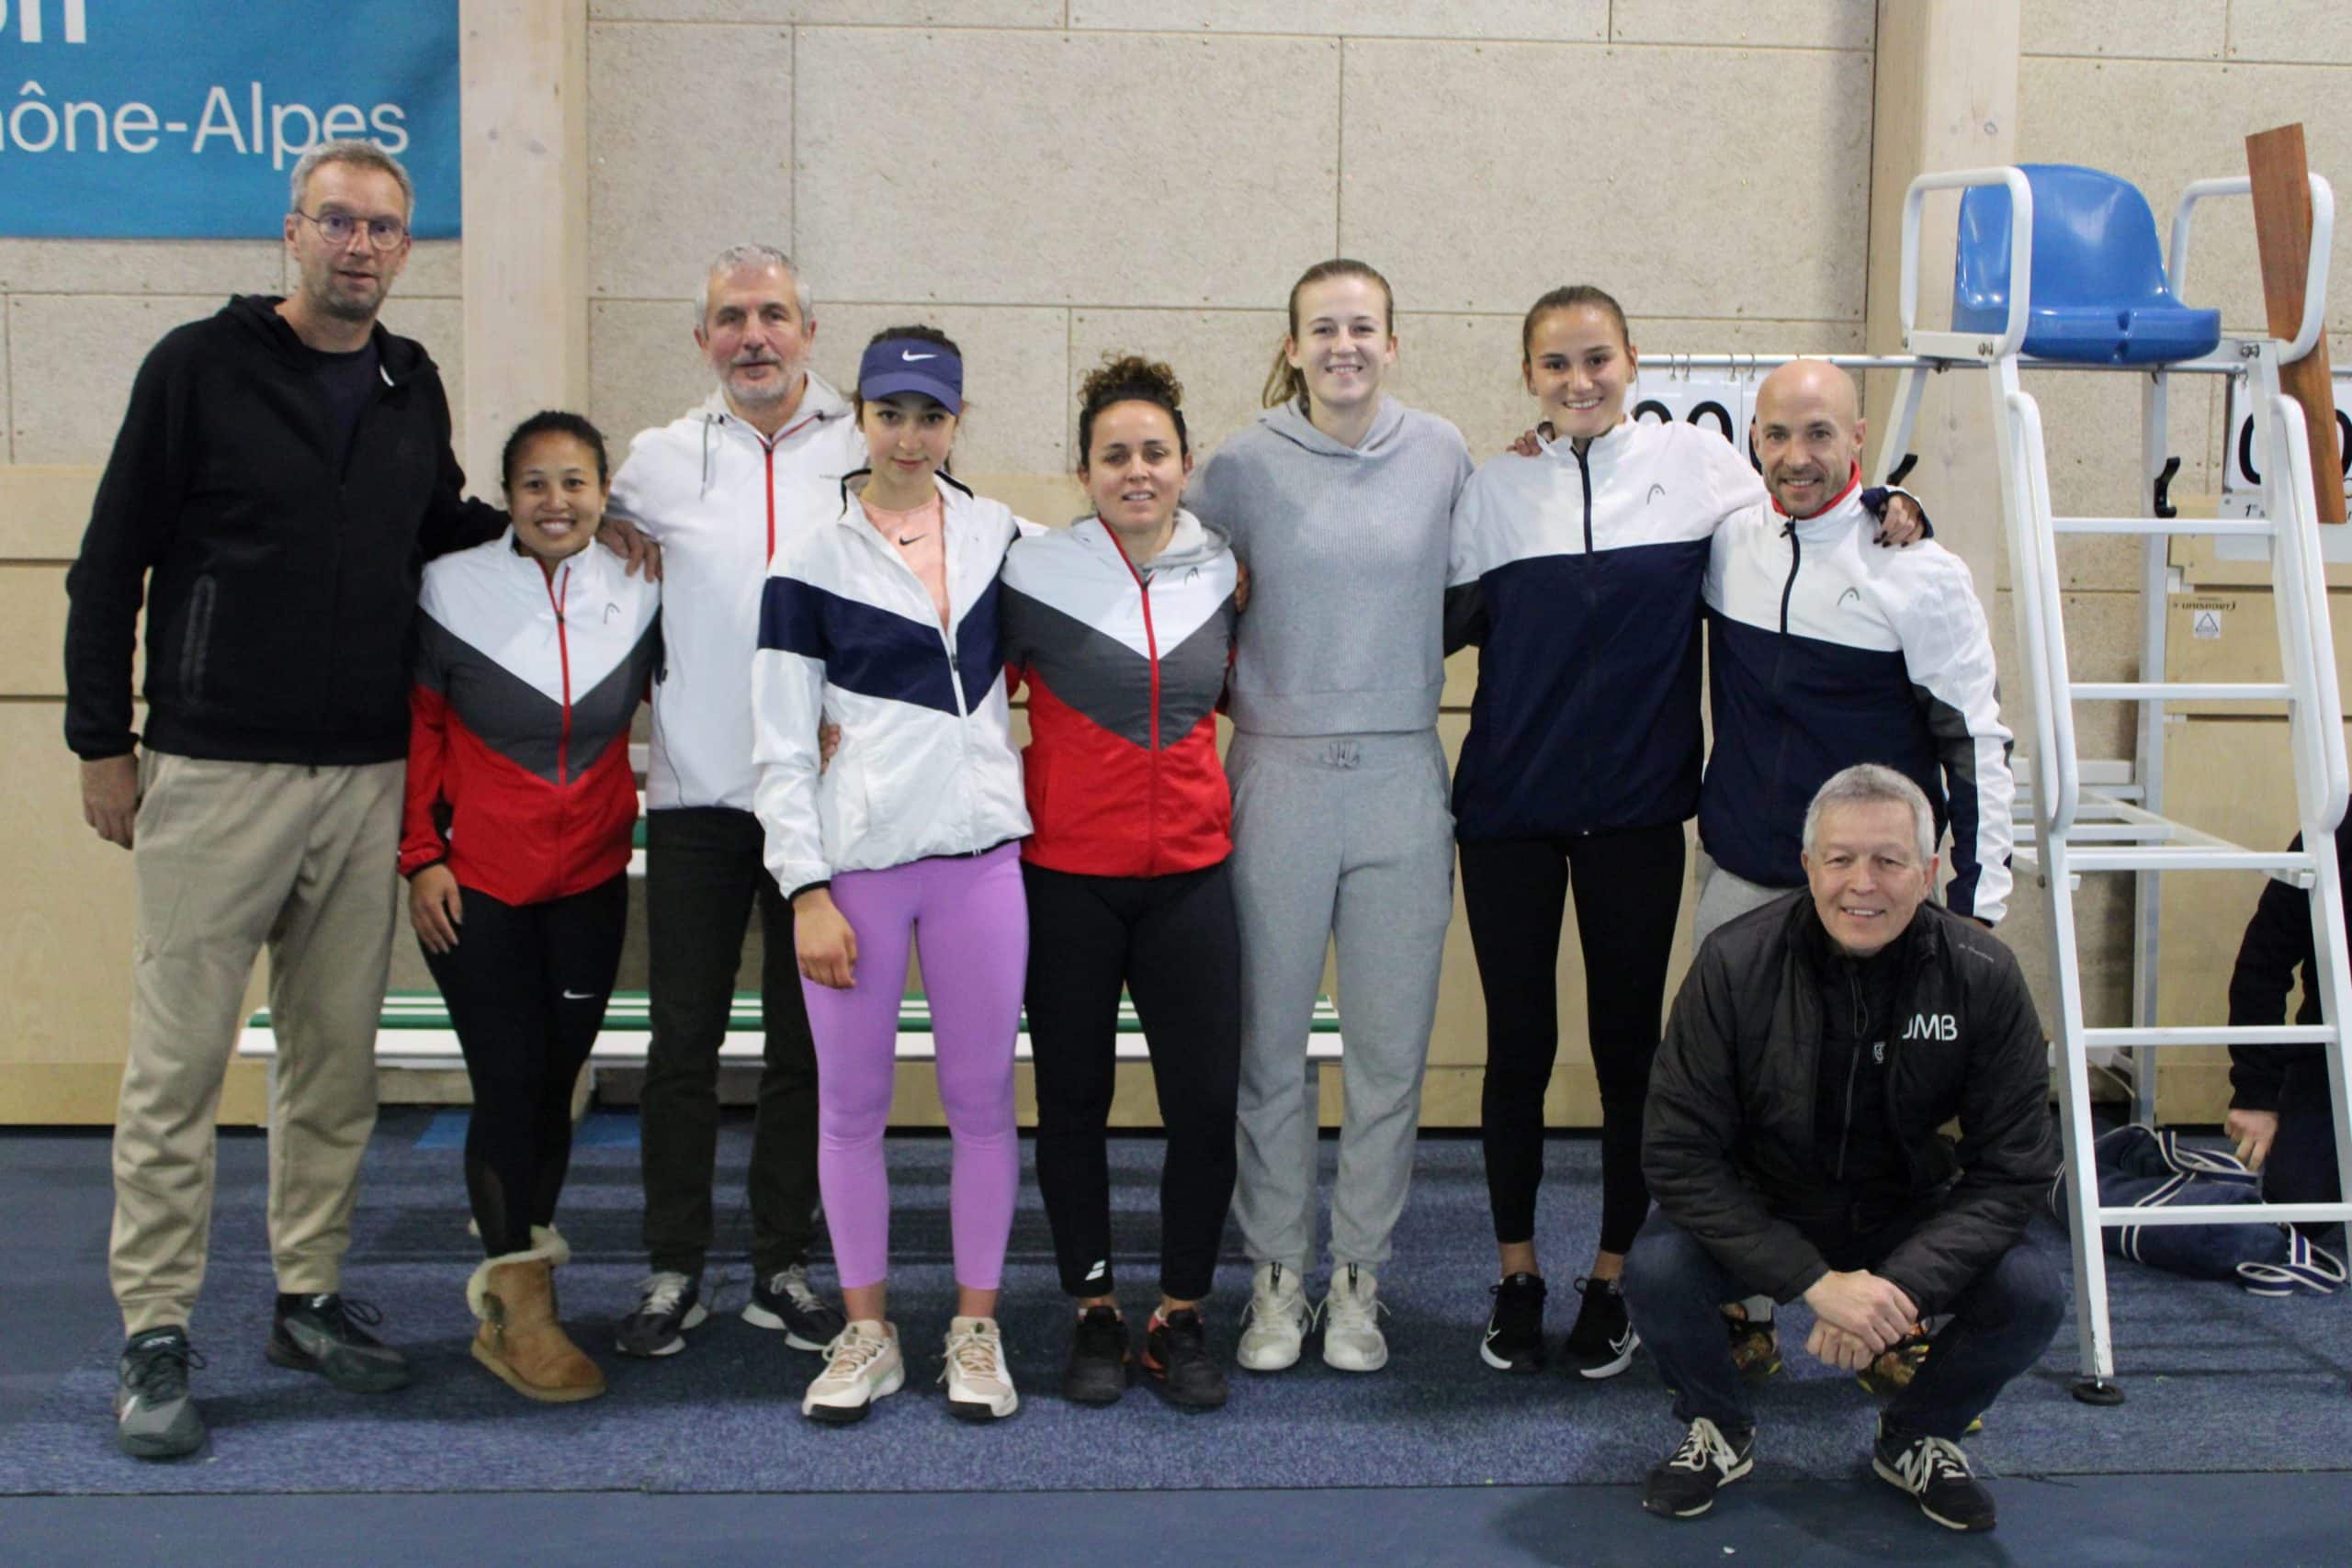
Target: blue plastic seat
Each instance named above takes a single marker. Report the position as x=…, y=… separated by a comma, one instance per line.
x=2098, y=295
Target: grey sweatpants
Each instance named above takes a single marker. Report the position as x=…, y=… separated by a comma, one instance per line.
x=1724, y=898
x=1345, y=837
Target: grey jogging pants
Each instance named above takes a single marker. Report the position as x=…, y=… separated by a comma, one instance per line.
x=1348, y=838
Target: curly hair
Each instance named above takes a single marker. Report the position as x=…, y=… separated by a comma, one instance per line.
x=1124, y=379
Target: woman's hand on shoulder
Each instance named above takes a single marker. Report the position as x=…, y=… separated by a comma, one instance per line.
x=435, y=907
x=638, y=553
x=1901, y=523
x=821, y=936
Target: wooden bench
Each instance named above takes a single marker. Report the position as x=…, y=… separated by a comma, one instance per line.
x=414, y=1032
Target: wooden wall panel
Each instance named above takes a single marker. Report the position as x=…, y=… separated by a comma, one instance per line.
x=65, y=944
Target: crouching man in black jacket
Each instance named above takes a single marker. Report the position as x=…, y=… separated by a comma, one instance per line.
x=1791, y=1143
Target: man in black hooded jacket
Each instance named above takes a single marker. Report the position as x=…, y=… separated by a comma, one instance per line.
x=283, y=472
x=1791, y=1144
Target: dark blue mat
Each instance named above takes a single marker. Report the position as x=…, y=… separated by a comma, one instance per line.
x=2218, y=1381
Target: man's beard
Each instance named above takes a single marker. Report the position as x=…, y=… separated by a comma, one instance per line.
x=345, y=307
x=766, y=394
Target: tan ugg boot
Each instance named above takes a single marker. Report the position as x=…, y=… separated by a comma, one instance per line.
x=520, y=1339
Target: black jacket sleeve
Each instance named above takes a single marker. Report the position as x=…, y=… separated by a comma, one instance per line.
x=2007, y=1152
x=1690, y=1128
x=131, y=524
x=2278, y=940
x=452, y=520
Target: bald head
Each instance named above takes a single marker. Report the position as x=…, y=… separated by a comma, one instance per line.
x=1808, y=434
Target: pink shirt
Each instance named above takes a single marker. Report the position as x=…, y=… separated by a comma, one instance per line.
x=919, y=537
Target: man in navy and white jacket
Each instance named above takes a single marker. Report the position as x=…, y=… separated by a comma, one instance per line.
x=1824, y=652
x=721, y=490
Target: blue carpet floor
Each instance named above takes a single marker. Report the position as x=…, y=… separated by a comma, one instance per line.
x=2218, y=1381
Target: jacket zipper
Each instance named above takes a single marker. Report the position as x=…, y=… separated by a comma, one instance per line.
x=946, y=637
x=196, y=644
x=1584, y=471
x=556, y=600
x=1789, y=588
x=767, y=451
x=1853, y=1068
x=1151, y=646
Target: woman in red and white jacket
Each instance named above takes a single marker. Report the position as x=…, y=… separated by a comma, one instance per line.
x=533, y=653
x=1123, y=625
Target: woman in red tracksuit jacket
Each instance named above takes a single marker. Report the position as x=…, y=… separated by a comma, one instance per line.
x=533, y=653
x=1122, y=627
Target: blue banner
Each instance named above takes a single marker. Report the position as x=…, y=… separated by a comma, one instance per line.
x=183, y=118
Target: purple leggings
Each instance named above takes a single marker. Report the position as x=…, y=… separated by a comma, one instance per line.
x=968, y=920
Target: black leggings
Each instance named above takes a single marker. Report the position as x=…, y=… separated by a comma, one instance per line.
x=1172, y=942
x=527, y=986
x=1628, y=889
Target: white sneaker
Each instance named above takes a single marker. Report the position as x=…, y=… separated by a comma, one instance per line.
x=1275, y=1324
x=862, y=1365
x=1352, y=1338
x=979, y=1385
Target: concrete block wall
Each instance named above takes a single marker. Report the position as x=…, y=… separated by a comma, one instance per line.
x=1051, y=181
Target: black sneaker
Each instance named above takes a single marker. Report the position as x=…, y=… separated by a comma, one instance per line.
x=1935, y=1472
x=1514, y=1341
x=155, y=1417
x=1684, y=1485
x=1755, y=1347
x=1176, y=1357
x=785, y=1301
x=1096, y=1372
x=1602, y=1343
x=668, y=1304
x=328, y=1335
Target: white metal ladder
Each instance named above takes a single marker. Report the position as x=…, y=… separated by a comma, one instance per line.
x=2078, y=826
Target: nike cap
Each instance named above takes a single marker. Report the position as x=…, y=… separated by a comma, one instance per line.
x=912, y=365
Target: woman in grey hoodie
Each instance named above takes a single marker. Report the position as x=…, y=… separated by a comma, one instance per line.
x=1338, y=502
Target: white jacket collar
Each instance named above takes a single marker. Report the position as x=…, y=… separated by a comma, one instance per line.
x=1836, y=517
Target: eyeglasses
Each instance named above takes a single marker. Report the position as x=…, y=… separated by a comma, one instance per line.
x=337, y=228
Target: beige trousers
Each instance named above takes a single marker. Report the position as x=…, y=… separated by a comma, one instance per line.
x=227, y=856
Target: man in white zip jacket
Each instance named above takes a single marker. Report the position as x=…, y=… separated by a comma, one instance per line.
x=719, y=490
x=1824, y=652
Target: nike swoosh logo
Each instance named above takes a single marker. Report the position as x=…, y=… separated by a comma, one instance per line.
x=910, y=358
x=579, y=996
x=1492, y=1334
x=911, y=538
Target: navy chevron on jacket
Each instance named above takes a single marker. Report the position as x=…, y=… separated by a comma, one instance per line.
x=848, y=633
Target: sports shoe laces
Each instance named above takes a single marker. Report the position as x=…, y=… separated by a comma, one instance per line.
x=159, y=1368
x=660, y=1294
x=1281, y=1293
x=1347, y=1307
x=1186, y=1335
x=1930, y=1459
x=792, y=1281
x=852, y=1352
x=1705, y=1448
x=340, y=1311
x=976, y=1352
